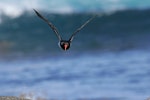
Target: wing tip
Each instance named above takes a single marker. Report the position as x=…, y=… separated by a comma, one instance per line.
x=35, y=11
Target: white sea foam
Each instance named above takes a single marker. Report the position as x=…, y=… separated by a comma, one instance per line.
x=17, y=7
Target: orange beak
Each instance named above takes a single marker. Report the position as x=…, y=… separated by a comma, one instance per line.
x=65, y=46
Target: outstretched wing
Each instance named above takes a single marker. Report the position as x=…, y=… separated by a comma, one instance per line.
x=72, y=36
x=50, y=24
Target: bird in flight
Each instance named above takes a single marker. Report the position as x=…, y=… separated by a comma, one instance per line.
x=64, y=44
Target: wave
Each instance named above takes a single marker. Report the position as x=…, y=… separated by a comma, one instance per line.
x=123, y=30
x=16, y=8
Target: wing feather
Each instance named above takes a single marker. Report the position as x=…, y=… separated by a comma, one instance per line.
x=82, y=26
x=50, y=24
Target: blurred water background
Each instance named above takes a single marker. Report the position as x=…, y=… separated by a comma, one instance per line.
x=108, y=60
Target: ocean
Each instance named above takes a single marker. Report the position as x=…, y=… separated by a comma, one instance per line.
x=108, y=59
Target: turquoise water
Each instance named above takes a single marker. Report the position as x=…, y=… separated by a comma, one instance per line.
x=16, y=7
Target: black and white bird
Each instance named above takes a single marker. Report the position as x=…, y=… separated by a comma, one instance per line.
x=64, y=44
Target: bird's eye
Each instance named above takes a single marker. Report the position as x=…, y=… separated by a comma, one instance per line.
x=62, y=43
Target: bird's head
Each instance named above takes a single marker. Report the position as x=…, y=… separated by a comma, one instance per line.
x=65, y=45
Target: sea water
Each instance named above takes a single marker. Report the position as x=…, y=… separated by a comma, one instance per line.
x=108, y=60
